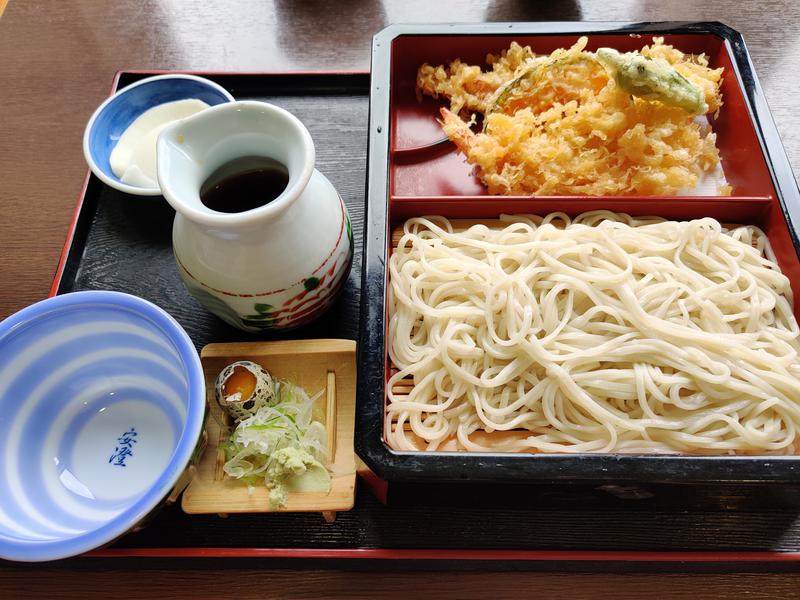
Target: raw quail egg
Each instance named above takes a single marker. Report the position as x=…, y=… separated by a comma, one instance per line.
x=242, y=388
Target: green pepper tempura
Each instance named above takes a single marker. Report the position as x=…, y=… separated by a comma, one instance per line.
x=652, y=80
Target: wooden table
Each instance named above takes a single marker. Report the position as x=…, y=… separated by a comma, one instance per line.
x=57, y=60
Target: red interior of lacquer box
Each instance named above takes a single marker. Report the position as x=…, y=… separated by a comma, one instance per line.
x=419, y=169
x=437, y=181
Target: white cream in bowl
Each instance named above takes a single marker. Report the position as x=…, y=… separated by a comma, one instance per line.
x=133, y=159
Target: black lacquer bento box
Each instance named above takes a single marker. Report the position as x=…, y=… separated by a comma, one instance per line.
x=410, y=173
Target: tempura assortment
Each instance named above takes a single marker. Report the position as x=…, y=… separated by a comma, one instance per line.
x=576, y=122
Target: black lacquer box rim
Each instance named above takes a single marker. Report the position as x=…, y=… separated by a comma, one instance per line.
x=391, y=465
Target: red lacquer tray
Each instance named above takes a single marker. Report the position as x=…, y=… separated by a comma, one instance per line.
x=124, y=243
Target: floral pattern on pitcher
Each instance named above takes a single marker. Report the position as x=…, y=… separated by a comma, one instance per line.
x=309, y=298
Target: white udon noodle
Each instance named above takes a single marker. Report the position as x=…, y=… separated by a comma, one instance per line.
x=600, y=334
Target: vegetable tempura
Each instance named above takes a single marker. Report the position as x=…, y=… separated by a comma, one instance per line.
x=583, y=123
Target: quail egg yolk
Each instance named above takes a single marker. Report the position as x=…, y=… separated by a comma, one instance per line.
x=241, y=381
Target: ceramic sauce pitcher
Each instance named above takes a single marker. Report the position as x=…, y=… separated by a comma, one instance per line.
x=278, y=265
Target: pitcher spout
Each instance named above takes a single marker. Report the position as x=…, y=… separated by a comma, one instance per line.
x=192, y=150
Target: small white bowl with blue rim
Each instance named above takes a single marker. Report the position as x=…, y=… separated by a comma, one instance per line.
x=102, y=401
x=116, y=114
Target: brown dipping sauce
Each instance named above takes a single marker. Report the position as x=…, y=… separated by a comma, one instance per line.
x=243, y=184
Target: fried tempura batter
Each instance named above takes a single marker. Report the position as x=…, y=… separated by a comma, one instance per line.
x=560, y=125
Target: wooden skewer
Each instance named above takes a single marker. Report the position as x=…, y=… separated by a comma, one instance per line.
x=330, y=415
x=219, y=473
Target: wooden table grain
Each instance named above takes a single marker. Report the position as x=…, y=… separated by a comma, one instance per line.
x=57, y=60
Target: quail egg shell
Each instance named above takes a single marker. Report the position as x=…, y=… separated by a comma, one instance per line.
x=242, y=388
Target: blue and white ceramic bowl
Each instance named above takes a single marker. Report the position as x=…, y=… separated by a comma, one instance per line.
x=102, y=399
x=113, y=117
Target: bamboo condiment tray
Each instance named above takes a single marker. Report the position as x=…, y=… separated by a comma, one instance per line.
x=314, y=365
